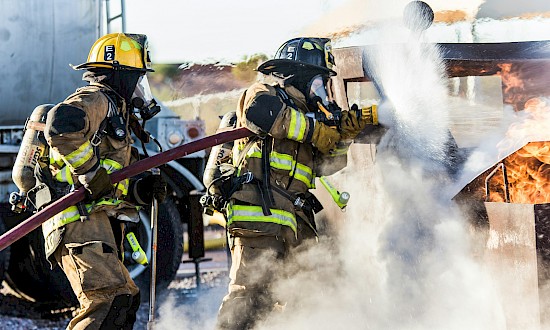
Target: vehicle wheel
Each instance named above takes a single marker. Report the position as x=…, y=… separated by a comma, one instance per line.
x=29, y=275
x=169, y=247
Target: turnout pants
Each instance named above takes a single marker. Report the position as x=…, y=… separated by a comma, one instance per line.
x=88, y=255
x=257, y=263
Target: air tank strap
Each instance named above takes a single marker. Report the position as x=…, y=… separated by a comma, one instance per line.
x=282, y=94
x=265, y=189
x=35, y=125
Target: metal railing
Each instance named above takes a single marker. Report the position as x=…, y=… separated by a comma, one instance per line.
x=505, y=180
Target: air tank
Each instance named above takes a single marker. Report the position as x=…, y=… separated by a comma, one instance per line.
x=219, y=154
x=32, y=148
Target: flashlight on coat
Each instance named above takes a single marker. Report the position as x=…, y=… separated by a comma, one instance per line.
x=340, y=198
x=138, y=255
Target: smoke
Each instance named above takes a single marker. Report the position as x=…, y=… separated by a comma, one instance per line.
x=401, y=258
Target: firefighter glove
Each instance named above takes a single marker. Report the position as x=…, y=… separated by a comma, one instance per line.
x=97, y=183
x=324, y=137
x=355, y=120
x=149, y=186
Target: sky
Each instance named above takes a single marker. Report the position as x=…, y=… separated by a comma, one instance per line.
x=210, y=29
x=227, y=31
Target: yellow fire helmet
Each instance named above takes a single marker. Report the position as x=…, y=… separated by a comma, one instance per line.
x=119, y=51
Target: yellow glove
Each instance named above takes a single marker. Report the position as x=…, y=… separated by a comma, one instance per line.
x=355, y=120
x=324, y=138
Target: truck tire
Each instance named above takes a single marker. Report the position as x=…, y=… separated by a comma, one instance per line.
x=169, y=248
x=30, y=277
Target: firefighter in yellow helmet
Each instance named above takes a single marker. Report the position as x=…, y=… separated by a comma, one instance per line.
x=89, y=136
x=271, y=213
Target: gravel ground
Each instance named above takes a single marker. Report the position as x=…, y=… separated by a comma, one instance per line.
x=182, y=305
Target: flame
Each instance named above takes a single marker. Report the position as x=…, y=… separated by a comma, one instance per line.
x=527, y=169
x=512, y=85
x=523, y=81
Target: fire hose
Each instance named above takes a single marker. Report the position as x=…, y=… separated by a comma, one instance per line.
x=134, y=169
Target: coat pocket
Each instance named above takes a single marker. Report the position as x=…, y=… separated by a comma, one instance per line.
x=96, y=265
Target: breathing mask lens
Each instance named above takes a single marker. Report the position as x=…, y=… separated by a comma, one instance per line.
x=143, y=99
x=317, y=90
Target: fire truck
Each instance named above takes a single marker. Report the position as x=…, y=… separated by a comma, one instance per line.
x=40, y=38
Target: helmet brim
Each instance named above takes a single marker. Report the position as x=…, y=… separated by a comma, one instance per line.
x=291, y=67
x=95, y=65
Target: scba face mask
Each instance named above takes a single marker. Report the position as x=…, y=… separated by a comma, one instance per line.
x=321, y=102
x=143, y=100
x=320, y=90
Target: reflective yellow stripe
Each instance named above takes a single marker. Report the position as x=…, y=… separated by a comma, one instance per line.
x=71, y=214
x=64, y=175
x=122, y=186
x=61, y=219
x=304, y=174
x=297, y=127
x=109, y=201
x=56, y=159
x=81, y=155
x=287, y=163
x=110, y=165
x=255, y=214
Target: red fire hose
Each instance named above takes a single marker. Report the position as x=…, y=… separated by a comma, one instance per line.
x=143, y=165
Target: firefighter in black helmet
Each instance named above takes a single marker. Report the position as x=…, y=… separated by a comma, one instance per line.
x=271, y=212
x=88, y=137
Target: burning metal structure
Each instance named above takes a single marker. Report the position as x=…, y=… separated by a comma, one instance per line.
x=506, y=197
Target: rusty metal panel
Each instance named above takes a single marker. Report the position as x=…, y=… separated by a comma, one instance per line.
x=512, y=259
x=349, y=62
x=349, y=65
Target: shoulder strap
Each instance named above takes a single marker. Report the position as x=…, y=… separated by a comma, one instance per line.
x=282, y=94
x=247, y=147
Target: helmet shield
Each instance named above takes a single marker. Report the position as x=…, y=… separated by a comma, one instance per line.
x=143, y=99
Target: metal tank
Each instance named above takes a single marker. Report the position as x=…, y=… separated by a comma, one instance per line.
x=38, y=40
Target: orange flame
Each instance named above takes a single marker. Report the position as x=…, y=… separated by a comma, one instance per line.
x=527, y=169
